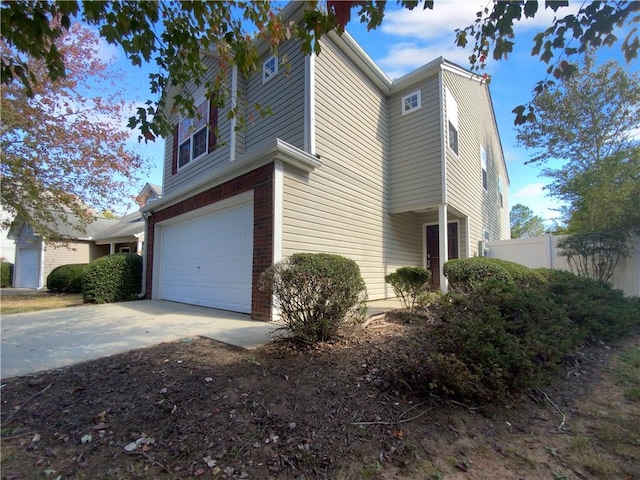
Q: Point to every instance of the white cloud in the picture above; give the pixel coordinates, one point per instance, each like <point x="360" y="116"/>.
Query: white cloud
<point x="430" y="24"/>
<point x="432" y="33"/>
<point x="529" y="191"/>
<point x="448" y="16"/>
<point x="535" y="197"/>
<point x="404" y="57"/>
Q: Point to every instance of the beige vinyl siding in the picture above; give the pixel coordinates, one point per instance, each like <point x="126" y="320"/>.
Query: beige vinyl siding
<point x="73" y="252"/>
<point x="284" y="95"/>
<point x="206" y="165"/>
<point x="342" y="207"/>
<point x="61" y="254"/>
<point x="464" y="174"/>
<point x="415" y="150"/>
<point x="242" y="110"/>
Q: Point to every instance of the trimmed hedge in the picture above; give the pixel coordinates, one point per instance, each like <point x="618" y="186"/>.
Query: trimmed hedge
<point x="464" y="275"/>
<point x="316" y="293"/>
<point x="409" y="283"/>
<point x="6" y="274"/>
<point x="114" y="278"/>
<point x="66" y="278"/>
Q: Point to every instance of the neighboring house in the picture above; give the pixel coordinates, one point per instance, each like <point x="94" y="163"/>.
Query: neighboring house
<point x="149" y="194"/>
<point x="387" y="173"/>
<point x="35" y="259"/>
<point x="7" y="246"/>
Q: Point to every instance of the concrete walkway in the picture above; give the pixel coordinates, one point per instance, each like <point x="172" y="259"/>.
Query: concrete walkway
<point x="49" y="339"/>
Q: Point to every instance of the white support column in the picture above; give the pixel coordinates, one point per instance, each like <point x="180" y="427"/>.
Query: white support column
<point x="41" y="279"/>
<point x="278" y="204"/>
<point x="112" y="248"/>
<point x="444" y="245"/>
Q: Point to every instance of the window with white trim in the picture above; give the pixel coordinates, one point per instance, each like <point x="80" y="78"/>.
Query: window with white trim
<point x="411" y="102"/>
<point x="269" y="68"/>
<point x="452" y="121"/>
<point x="500" y="194"/>
<point x="483" y="164"/>
<point x="192" y="136"/>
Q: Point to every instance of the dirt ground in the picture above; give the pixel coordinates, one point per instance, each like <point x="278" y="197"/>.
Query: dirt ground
<point x="200" y="409"/>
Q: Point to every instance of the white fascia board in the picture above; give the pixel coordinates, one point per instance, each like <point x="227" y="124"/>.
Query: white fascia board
<point x="106" y="241"/>
<point x="274" y="149"/>
<point x="418" y="75"/>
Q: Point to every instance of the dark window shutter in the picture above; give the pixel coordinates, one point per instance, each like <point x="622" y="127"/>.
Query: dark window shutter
<point x="174" y="157"/>
<point x="213" y="124"/>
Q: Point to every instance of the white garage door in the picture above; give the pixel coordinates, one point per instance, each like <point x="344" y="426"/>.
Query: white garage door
<point x="29" y="268"/>
<point x="208" y="260"/>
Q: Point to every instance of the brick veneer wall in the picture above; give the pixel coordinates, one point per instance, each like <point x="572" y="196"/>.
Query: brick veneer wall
<point x="260" y="181"/>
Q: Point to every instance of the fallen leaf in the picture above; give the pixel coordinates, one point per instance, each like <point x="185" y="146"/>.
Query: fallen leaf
<point x="86" y="438"/>
<point x="131" y="447"/>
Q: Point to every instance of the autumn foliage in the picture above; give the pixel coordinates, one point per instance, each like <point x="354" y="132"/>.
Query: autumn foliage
<point x="64" y="147"/>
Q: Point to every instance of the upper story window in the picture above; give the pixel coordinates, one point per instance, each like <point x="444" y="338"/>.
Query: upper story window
<point x="500" y="192"/>
<point x="411" y="102"/>
<point x="452" y="121"/>
<point x="192" y="136"/>
<point x="269" y="68"/>
<point x="483" y="164"/>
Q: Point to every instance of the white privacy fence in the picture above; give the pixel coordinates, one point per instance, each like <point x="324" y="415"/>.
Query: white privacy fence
<point x="542" y="251"/>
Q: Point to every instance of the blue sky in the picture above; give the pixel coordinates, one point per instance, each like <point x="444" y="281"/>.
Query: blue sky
<point x="408" y="39"/>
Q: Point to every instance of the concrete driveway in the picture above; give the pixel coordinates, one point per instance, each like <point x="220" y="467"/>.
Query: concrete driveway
<point x="37" y="341"/>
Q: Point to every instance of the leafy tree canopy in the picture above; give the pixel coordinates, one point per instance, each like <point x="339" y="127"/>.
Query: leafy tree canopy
<point x="524" y="223"/>
<point x="173" y="34"/>
<point x="590" y="123"/>
<point x="63" y="150"/>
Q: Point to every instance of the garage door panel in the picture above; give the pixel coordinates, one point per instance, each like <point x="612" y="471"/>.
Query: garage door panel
<point x="208" y="260"/>
<point x="29" y="265"/>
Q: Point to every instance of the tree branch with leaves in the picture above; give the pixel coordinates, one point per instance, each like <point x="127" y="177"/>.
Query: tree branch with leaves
<point x="63" y="149"/>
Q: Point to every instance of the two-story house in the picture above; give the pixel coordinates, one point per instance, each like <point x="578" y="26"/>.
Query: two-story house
<point x="387" y="173"/>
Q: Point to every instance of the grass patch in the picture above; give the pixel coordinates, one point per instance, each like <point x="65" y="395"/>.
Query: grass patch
<point x="627" y="373"/>
<point x="32" y="302"/>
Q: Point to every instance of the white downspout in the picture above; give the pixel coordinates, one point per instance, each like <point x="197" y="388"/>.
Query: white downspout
<point x="234" y="103"/>
<point x="310" y="104"/>
<point x="143" y="291"/>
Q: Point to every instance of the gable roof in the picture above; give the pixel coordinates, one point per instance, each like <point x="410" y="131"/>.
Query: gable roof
<point x="130" y="225"/>
<point x="68" y="225"/>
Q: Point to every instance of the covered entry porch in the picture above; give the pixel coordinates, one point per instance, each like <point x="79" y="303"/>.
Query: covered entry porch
<point x="438" y="244"/>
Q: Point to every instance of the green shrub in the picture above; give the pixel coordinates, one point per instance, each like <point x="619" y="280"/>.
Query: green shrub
<point x="6" y="274"/>
<point x="66" y="278"/>
<point x="409" y="283"/>
<point x="501" y="339"/>
<point x="114" y="278"/>
<point x="595" y="307"/>
<point x="316" y="294"/>
<point x="509" y="338"/>
<point x="466" y="274"/>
